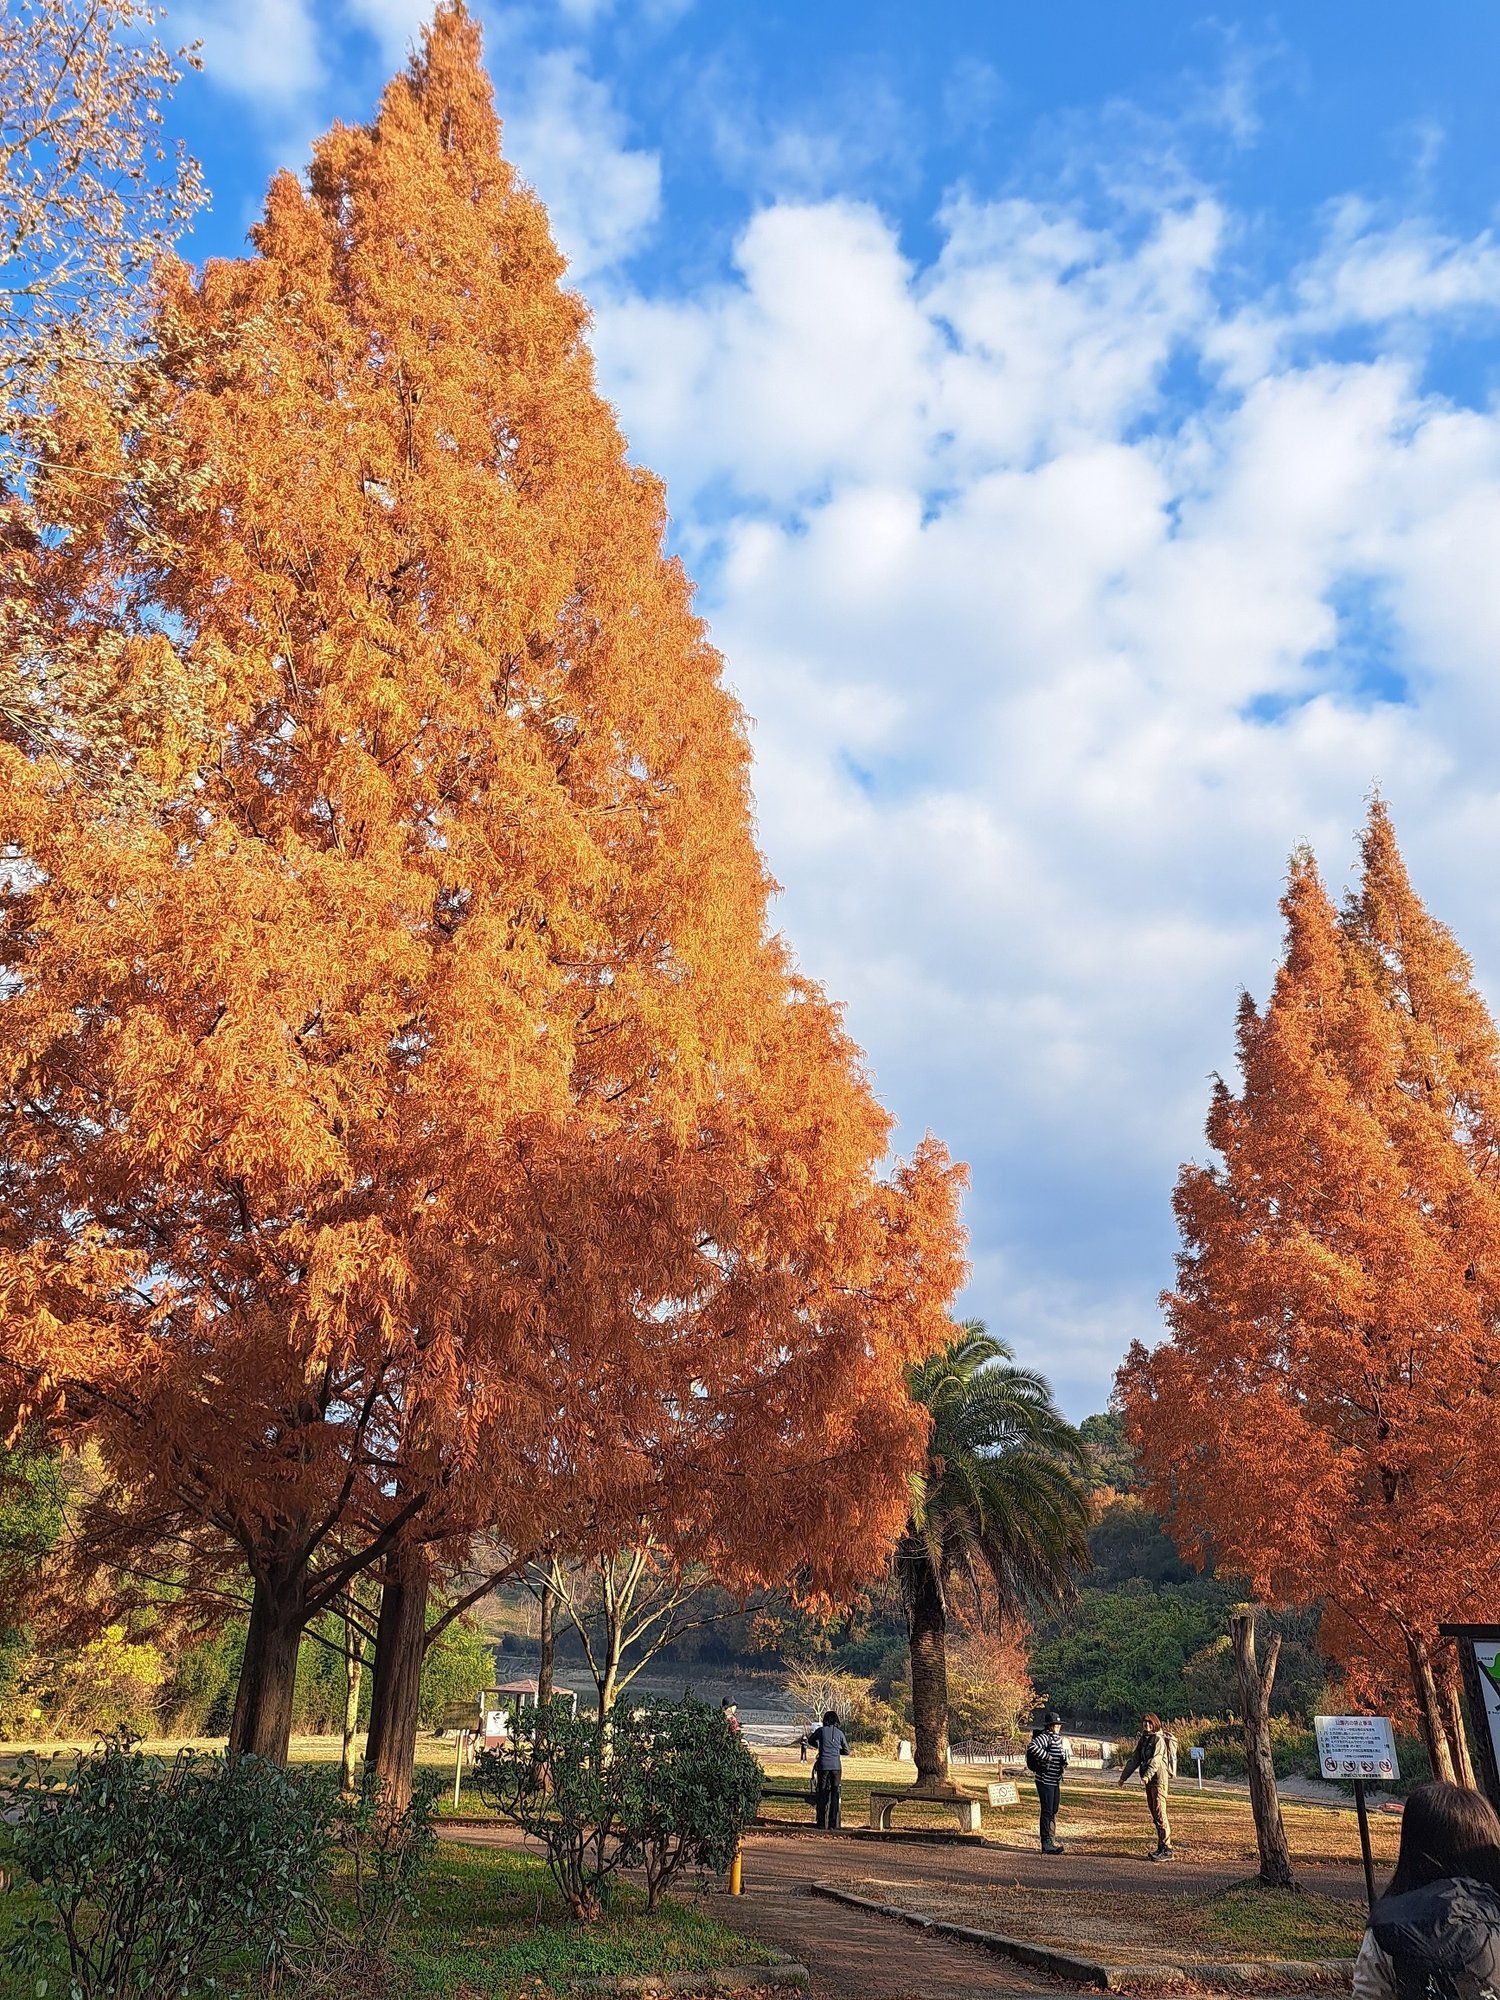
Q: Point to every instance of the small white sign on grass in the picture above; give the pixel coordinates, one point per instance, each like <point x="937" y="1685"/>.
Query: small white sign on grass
<point x="1356" y="1746"/>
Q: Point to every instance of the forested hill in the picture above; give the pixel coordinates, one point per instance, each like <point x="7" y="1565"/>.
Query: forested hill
<point x="1148" y="1631"/>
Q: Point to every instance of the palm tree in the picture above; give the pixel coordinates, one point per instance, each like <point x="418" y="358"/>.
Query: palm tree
<point x="1000" y="1507"/>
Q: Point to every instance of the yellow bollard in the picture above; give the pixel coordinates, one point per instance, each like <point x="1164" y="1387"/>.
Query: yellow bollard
<point x="737" y="1873"/>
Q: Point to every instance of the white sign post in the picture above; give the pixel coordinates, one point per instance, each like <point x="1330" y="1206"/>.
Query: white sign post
<point x="1196" y="1753"/>
<point x="1361" y="1748"/>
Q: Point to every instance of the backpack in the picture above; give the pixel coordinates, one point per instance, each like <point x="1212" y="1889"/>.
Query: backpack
<point x="1443" y="1941"/>
<point x="1036" y="1756"/>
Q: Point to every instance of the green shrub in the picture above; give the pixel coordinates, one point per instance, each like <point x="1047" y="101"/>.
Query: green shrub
<point x="385" y="1852"/>
<point x="694" y="1789"/>
<point x="1294" y="1751"/>
<point x="554" y="1777"/>
<point x="158" y="1874"/>
<point x="659" y="1786"/>
<point x="458" y="1665"/>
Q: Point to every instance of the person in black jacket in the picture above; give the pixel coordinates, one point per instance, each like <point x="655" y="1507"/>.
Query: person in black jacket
<point x="832" y="1746"/>
<point x="1047" y="1757"/>
<point x="1435" y="1933"/>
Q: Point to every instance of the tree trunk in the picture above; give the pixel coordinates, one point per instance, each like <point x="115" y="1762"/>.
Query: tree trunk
<point x="547" y="1640"/>
<point x="928" y="1625"/>
<point x="608" y="1681"/>
<point x="1430" y="1709"/>
<point x="1256" y="1683"/>
<point x="1458" y="1734"/>
<point x="400" y="1644"/>
<point x="261" y="1725"/>
<point x="354" y="1662"/>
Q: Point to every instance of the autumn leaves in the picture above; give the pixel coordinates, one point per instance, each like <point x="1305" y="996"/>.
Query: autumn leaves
<point x="1324" y="1415"/>
<point x="417" y="1149"/>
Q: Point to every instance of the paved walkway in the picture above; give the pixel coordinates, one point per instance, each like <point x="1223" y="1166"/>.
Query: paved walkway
<point x="852" y="1954"/>
<point x="831" y="1857"/>
<point x="857" y="1955"/>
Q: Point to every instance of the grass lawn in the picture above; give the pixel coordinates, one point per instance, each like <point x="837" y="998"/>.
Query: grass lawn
<point x="1099" y="1817"/>
<point x="489" y="1926"/>
<point x="1239" y="1924"/>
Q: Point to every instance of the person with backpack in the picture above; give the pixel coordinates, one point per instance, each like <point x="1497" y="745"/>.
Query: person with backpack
<point x="1435" y="1933"/>
<point x="1152" y="1757"/>
<point x="1047" y="1756"/>
<point x="832" y="1747"/>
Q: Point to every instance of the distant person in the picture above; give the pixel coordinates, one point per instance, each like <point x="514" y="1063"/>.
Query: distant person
<point x="1152" y="1757"/>
<point x="731" y="1715"/>
<point x="1048" y="1755"/>
<point x="1435" y="1933"/>
<point x="832" y="1747"/>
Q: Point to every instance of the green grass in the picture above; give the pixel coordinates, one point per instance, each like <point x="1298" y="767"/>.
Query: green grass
<point x="1250" y="1922"/>
<point x="490" y="1922"/>
<point x="1238" y="1924"/>
<point x="490" y="1926"/>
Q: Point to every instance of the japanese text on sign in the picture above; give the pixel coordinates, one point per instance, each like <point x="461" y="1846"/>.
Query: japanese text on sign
<point x="1356" y="1746"/>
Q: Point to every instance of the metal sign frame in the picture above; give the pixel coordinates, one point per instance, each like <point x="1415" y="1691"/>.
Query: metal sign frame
<point x="1363" y="1769"/>
<point x="1483" y="1690"/>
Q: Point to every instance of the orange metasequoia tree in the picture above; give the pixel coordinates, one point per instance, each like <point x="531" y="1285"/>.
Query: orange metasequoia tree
<point x="1322" y="1415"/>
<point x="409" y="1128"/>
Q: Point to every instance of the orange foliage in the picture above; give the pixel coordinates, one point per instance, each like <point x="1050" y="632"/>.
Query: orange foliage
<point x="1323" y="1415"/>
<point x="410" y="1126"/>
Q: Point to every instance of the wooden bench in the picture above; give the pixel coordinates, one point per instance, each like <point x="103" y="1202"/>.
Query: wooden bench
<point x="967" y="1809"/>
<point x="798" y="1794"/>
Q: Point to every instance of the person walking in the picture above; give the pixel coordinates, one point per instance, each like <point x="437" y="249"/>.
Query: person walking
<point x="1152" y="1757"/>
<point x="832" y="1747"/>
<point x="1435" y="1933"/>
<point x="731" y="1714"/>
<point x="1048" y="1755"/>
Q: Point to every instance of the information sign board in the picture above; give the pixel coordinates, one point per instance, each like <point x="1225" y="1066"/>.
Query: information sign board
<point x="1479" y="1652"/>
<point x="1487" y="1660"/>
<point x="1356" y="1746"/>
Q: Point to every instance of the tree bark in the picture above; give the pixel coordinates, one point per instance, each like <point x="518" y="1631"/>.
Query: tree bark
<point x="928" y="1626"/>
<point x="1430" y="1709"/>
<point x="547" y="1641"/>
<point x="1458" y="1735"/>
<point x="608" y="1682"/>
<point x="1256" y="1683"/>
<point x="400" y="1645"/>
<point x="261" y="1725"/>
<point x="354" y="1662"/>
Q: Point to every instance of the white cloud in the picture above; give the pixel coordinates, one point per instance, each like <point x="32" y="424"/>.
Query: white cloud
<point x="1051" y="667"/>
<point x="396" y="25"/>
<point x="264" y="49"/>
<point x="567" y="136"/>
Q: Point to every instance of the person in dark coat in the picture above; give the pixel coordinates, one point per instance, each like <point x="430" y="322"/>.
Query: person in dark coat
<point x="1435" y="1933"/>
<point x="832" y="1747"/>
<point x="1047" y="1756"/>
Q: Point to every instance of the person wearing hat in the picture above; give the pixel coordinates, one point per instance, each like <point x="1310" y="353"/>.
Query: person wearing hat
<point x="731" y="1715"/>
<point x="1047" y="1756"/>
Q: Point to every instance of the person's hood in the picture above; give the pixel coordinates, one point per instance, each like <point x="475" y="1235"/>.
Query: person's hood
<point x="1453" y="1922"/>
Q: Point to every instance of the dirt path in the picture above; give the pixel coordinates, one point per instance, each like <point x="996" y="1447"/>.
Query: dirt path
<point x="852" y="1954"/>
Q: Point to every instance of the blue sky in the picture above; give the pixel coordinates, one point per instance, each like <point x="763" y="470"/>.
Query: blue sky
<point x="1081" y="422"/>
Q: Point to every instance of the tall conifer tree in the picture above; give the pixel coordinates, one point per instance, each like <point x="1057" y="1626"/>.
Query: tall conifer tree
<point x="1318" y="1418"/>
<point x="410" y="1125"/>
